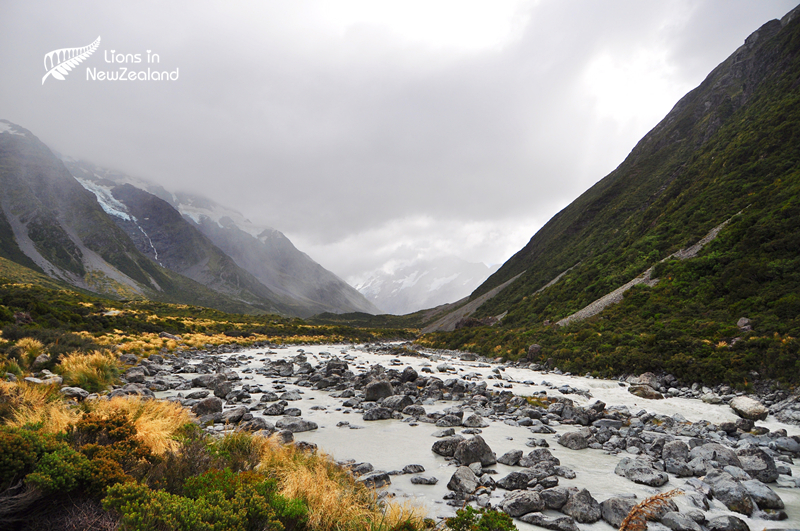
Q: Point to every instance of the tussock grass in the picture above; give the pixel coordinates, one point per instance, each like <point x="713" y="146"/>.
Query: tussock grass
<point x="646" y="510"/>
<point x="335" y="501"/>
<point x="27" y="349"/>
<point x="24" y="404"/>
<point x="93" y="372"/>
<point x="156" y="421"/>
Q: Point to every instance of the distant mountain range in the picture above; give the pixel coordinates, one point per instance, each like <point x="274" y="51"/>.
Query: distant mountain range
<point x="423" y="284"/>
<point x="112" y="234"/>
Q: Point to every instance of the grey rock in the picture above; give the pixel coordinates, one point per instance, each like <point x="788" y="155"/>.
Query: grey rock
<point x="582" y="507"/>
<point x="614" y="510"/>
<point x="729" y="491"/>
<point x="292" y="395"/>
<point x="135" y="375"/>
<point x="474" y="450"/>
<point x="510" y="458"/>
<point x="574" y="440"/>
<point x="413" y="469"/>
<point x="463" y="480"/>
<point x="397" y="403"/>
<point x="198" y="395"/>
<point x="645" y="391"/>
<point x="558" y="523"/>
<point x="256" y="424"/>
<point x="522" y="502"/>
<point x="765" y="497"/>
<point x="414" y="411"/>
<point x="677" y="450"/>
<point x="726" y="523"/>
<point x="276" y="408"/>
<point x="74" y="392"/>
<point x="208" y="405"/>
<point x="679" y="522"/>
<point x="424" y="480"/>
<point x="641" y="471"/>
<point x="537" y="456"/>
<point x="295" y="425"/>
<point x="517" y="480"/>
<point x="376" y="479"/>
<point x="758" y="463"/>
<point x="377" y="389"/>
<point x="446" y="447"/>
<point x="474" y="421"/>
<point x="748" y="408"/>
<point x="377" y="413"/>
<point x="555" y="498"/>
<point x="715" y="452"/>
<point x="233" y="416"/>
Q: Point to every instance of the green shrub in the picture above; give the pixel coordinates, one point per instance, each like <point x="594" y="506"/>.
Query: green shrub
<point x="470" y="519"/>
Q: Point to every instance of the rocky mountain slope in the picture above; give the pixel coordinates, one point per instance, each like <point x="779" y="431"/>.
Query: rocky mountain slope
<point x="423" y="284"/>
<point x="728" y="150"/>
<point x="217" y="246"/>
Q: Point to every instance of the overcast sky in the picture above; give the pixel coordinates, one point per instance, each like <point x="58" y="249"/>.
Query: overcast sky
<point x="370" y="132"/>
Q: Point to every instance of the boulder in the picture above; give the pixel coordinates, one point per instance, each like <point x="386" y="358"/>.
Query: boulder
<point x="522" y="502"/>
<point x="558" y="523"/>
<point x="463" y="480"/>
<point x="377" y="413"/>
<point x="74" y="392"/>
<point x="208" y="405"/>
<point x="397" y="403"/>
<point x="679" y="522"/>
<point x="574" y="440"/>
<point x="295" y="425"/>
<point x="516" y="480"/>
<point x="377" y="389"/>
<point x="233" y="416"/>
<point x="582" y="507"/>
<point x="765" y="497"/>
<point x="446" y="447"/>
<point x="413" y="469"/>
<point x="409" y="374"/>
<point x="641" y="471"/>
<point x="474" y="421"/>
<point x="376" y="479"/>
<point x="510" y="458"/>
<point x="135" y="375"/>
<point x="759" y="464"/>
<point x="677" y="450"/>
<point x="474" y="450"/>
<point x="729" y="491"/>
<point x="715" y="452"/>
<point x="748" y="408"/>
<point x="537" y="456"/>
<point x="614" y="510"/>
<point x="726" y="523"/>
<point x="424" y="480"/>
<point x="276" y="408"/>
<point x="555" y="498"/>
<point x="645" y="391"/>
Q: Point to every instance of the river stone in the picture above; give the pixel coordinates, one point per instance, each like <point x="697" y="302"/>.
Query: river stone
<point x="537" y="456"/>
<point x="555" y="498"/>
<point x="276" y="408"/>
<point x="233" y="416"/>
<point x="645" y="391"/>
<point x="335" y="366"/>
<point x="377" y="413"/>
<point x="424" y="480"/>
<point x="765" y="497"/>
<point x="295" y="425"/>
<point x="449" y="421"/>
<point x="463" y="480"/>
<point x="522" y="502"/>
<point x="292" y="395"/>
<point x="558" y="523"/>
<point x="446" y="447"/>
<point x="474" y="421"/>
<point x="409" y="374"/>
<point x="747" y="408"/>
<point x="256" y="424"/>
<point x="135" y="375"/>
<point x="376" y="479"/>
<point x="516" y="480"/>
<point x="679" y="522"/>
<point x="726" y="523"/>
<point x="677" y="450"/>
<point x="759" y="464"/>
<point x="678" y="468"/>
<point x="269" y="396"/>
<point x="207" y="406"/>
<point x="615" y="509"/>
<point x="377" y="389"/>
<point x="474" y="450"/>
<point x="414" y="411"/>
<point x="397" y="403"/>
<point x="640" y="471"/>
<point x="582" y="507"/>
<point x="715" y="452"/>
<point x="574" y="440"/>
<point x="729" y="491"/>
<point x="74" y="392"/>
<point x="510" y="458"/>
<point x="413" y="469"/>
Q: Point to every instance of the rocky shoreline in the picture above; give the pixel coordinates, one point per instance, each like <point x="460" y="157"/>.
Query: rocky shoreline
<point x="733" y="463"/>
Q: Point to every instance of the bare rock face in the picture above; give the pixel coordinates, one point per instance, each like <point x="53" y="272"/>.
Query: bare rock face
<point x="748" y="408"/>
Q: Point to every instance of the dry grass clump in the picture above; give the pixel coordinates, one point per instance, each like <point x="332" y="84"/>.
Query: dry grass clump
<point x="28" y="349"/>
<point x="93" y="372"/>
<point x="335" y="501"/>
<point x="22" y="404"/>
<point x="156" y="421"/>
<point x="646" y="510"/>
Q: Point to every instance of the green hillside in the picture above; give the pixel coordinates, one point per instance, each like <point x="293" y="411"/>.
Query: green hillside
<point x="731" y="145"/>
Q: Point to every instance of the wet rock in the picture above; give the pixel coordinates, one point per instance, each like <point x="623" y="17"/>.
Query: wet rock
<point x="376" y="479"/>
<point x="449" y="421"/>
<point x="758" y="464"/>
<point x="641" y="471"/>
<point x="377" y="413"/>
<point x="727" y="523"/>
<point x="558" y="523"/>
<point x="679" y="522"/>
<point x="409" y="374"/>
<point x="645" y="391"/>
<point x="517" y="480"/>
<point x="135" y="375"/>
<point x="539" y="455"/>
<point x="424" y="480"/>
<point x="677" y="450"/>
<point x="276" y="408"/>
<point x="359" y="469"/>
<point x="522" y="502"/>
<point x="715" y="452"/>
<point x="414" y="411"/>
<point x="269" y="396"/>
<point x="463" y="480"/>
<point x="397" y="403"/>
<point x="574" y="440"/>
<point x="233" y="416"/>
<point x="256" y="424"/>
<point x="474" y="450"/>
<point x="292" y="395"/>
<point x="208" y="405"/>
<point x="474" y="421"/>
<point x="296" y="425"/>
<point x="765" y="497"/>
<point x="614" y="510"/>
<point x="729" y="491"/>
<point x="510" y="458"/>
<point x="446" y="447"/>
<point x="678" y="468"/>
<point x="377" y="389"/>
<point x="555" y="498"/>
<point x="413" y="469"/>
<point x="582" y="507"/>
<point x="748" y="408"/>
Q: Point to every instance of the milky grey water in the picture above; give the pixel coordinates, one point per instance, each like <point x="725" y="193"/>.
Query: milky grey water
<point x="393" y="444"/>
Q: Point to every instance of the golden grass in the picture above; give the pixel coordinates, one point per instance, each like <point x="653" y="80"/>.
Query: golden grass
<point x="646" y="510"/>
<point x="24" y="403"/>
<point x="93" y="372"/>
<point x="28" y="349"/>
<point x="335" y="501"/>
<point x="156" y="421"/>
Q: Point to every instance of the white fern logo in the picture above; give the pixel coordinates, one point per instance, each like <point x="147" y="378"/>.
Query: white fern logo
<point x="58" y="63"/>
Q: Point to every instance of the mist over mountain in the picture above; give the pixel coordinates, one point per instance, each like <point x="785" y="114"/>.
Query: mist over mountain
<point x="423" y="284"/>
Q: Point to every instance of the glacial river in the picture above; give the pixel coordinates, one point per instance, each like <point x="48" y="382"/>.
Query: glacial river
<point x="393" y="444"/>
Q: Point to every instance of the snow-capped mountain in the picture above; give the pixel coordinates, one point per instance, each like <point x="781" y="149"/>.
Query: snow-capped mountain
<point x="423" y="284"/>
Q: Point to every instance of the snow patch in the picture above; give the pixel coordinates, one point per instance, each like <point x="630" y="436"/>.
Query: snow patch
<point x="437" y="283"/>
<point x="6" y="127"/>
<point x="106" y="199"/>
